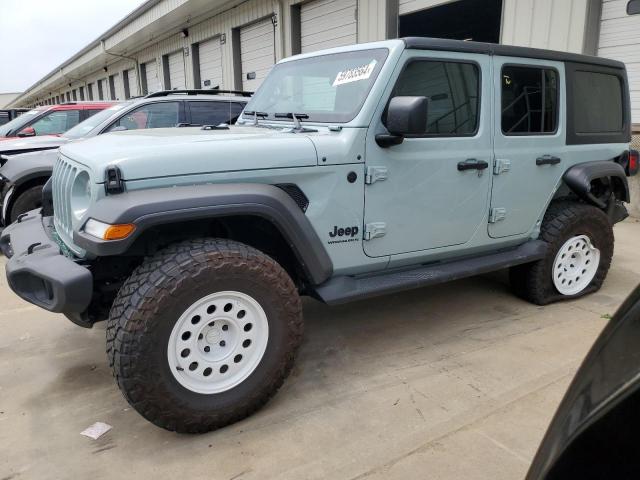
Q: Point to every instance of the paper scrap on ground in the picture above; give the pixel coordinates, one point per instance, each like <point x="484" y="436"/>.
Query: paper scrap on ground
<point x="355" y="74"/>
<point x="96" y="430"/>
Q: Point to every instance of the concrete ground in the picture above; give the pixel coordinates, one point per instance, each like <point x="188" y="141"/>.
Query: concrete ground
<point x="455" y="381"/>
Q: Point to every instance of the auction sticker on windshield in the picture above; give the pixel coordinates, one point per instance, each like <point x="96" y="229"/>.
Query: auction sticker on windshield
<point x="355" y="74"/>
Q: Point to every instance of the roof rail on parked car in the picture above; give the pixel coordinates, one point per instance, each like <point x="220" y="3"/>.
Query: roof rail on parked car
<point x="213" y="91"/>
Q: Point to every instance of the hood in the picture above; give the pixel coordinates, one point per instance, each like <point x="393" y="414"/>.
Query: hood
<point x="164" y="152"/>
<point x="21" y="145"/>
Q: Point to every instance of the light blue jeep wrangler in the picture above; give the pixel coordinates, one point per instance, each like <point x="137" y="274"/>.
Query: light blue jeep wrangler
<point x="352" y="172"/>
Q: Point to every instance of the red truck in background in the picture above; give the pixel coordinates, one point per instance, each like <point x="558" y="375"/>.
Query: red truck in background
<point x="50" y="119"/>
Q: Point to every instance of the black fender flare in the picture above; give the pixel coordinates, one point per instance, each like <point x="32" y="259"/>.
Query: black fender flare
<point x="166" y="205"/>
<point x="21" y="169"/>
<point x="579" y="177"/>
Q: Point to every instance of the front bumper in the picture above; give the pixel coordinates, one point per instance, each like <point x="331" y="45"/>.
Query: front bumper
<point x="39" y="273"/>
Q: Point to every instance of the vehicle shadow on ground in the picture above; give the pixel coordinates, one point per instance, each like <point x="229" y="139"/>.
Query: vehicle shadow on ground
<point x="343" y="346"/>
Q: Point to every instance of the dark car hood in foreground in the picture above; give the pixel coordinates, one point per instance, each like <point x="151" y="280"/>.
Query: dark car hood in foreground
<point x="594" y="433"/>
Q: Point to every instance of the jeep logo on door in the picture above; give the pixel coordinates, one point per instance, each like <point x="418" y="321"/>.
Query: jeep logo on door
<point x="343" y="234"/>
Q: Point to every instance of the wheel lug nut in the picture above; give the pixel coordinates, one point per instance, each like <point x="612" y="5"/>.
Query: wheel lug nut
<point x="225" y="327"/>
<point x="207" y="349"/>
<point x="222" y="343"/>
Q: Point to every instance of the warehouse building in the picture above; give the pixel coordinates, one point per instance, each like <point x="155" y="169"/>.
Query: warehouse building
<point x="232" y="44"/>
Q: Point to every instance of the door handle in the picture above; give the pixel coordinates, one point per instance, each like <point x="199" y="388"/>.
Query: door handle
<point x="547" y="160"/>
<point x="472" y="164"/>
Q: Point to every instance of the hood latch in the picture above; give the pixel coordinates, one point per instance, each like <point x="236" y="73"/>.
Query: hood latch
<point x="113" y="182"/>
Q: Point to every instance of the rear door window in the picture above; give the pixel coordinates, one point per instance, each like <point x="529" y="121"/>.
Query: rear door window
<point x="56" y="122"/>
<point x="90" y="112"/>
<point x="153" y="115"/>
<point x="529" y="99"/>
<point x="214" y="113"/>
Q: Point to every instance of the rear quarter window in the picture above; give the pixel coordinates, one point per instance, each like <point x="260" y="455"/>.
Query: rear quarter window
<point x="597" y="105"/>
<point x="598" y="102"/>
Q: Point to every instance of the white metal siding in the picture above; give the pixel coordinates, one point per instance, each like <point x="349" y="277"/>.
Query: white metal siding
<point x="551" y="24"/>
<point x="327" y="24"/>
<point x="620" y="39"/>
<point x="176" y="71"/>
<point x="133" y="82"/>
<point x="410" y="6"/>
<point x="210" y="53"/>
<point x="372" y="21"/>
<point x="151" y="77"/>
<point x="118" y="87"/>
<point x="257" y="50"/>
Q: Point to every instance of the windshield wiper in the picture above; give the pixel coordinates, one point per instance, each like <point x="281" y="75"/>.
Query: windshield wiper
<point x="296" y="117"/>
<point x="255" y="115"/>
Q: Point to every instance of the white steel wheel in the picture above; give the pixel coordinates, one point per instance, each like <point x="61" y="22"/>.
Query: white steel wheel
<point x="218" y="342"/>
<point x="575" y="265"/>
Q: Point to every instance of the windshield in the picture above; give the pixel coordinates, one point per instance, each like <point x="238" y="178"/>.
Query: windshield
<point x="327" y="88"/>
<point x="17" y="123"/>
<point x="83" y="128"/>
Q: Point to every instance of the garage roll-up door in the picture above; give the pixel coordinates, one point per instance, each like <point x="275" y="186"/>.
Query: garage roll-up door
<point x="327" y="24"/>
<point x="257" y="51"/>
<point x="619" y="39"/>
<point x="115" y="87"/>
<point x="210" y="55"/>
<point x="151" y="77"/>
<point x="409" y="6"/>
<point x="103" y="92"/>
<point x="176" y="71"/>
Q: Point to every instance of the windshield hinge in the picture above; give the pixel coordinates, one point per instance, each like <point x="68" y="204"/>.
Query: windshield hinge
<point x="374" y="230"/>
<point x="375" y="174"/>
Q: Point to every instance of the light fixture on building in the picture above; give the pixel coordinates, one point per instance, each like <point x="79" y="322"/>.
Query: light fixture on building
<point x="105" y="69"/>
<point x="184" y="33"/>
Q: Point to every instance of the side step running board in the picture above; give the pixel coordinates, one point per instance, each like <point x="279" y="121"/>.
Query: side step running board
<point x="344" y="289"/>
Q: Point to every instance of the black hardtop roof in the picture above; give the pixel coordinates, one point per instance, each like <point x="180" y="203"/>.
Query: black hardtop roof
<point x="425" y="43"/>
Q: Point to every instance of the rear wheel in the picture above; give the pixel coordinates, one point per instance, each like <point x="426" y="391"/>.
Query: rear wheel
<point x="28" y="200"/>
<point x="203" y="334"/>
<point x="580" y="239"/>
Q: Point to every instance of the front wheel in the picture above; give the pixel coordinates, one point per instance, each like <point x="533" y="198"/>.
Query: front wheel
<point x="28" y="200"/>
<point x="203" y="334"/>
<point x="580" y="248"/>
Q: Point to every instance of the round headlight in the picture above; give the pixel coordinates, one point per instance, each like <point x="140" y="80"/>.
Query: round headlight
<point x="80" y="195"/>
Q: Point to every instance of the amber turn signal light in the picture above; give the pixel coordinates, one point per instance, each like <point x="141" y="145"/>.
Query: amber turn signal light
<point x="118" y="232"/>
<point x="105" y="231"/>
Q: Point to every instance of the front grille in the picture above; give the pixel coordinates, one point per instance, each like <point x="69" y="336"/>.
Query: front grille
<point x="64" y="172"/>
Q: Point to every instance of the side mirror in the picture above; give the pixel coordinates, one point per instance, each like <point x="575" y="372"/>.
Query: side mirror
<point x="633" y="7"/>
<point x="405" y="116"/>
<point x="27" y="132"/>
